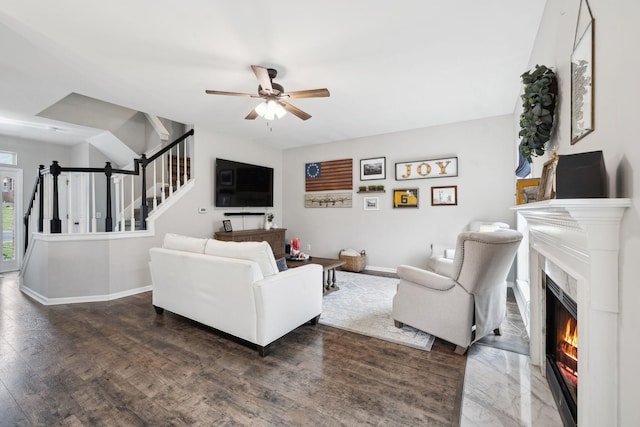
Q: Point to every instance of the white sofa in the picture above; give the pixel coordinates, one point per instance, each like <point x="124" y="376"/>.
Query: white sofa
<point x="234" y="287"/>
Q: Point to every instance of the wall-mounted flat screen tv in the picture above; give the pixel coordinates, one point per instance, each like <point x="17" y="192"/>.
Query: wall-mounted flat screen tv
<point x="240" y="185"/>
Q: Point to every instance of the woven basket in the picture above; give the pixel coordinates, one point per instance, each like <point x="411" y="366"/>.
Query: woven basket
<point x="353" y="263"/>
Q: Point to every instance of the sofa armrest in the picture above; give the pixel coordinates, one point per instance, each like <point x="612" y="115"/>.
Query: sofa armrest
<point x="425" y="278"/>
<point x="286" y="300"/>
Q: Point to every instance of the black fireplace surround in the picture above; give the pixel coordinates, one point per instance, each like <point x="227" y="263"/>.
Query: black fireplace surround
<point x="562" y="351"/>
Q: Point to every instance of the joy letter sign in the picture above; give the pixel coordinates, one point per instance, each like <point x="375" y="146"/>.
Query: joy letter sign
<point x="437" y="168"/>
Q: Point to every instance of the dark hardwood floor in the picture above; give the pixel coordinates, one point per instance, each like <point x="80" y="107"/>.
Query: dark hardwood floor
<point x="117" y="363"/>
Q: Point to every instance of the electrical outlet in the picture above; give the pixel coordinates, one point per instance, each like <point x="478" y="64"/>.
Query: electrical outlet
<point x="308" y="246"/>
<point x="202" y="210"/>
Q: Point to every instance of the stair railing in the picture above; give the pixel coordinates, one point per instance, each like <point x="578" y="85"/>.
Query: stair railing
<point x="45" y="198"/>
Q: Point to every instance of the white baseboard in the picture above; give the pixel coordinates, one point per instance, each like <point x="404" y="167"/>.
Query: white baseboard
<point x="382" y="269"/>
<point x="82" y="299"/>
<point x="523" y="302"/>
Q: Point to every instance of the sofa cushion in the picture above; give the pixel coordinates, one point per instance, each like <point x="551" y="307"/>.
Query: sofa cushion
<point x="282" y="264"/>
<point x="177" y="242"/>
<point x="259" y="252"/>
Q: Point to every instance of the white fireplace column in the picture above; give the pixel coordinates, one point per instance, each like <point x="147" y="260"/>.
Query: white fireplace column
<point x="581" y="238"/>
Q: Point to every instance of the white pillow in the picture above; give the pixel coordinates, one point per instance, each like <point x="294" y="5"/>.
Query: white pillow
<point x="184" y="243"/>
<point x="259" y="252"/>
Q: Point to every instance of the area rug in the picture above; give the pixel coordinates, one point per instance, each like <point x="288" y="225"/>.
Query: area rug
<point x="363" y="305"/>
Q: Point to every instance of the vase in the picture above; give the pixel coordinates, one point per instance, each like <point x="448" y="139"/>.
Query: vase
<point x="267" y="225"/>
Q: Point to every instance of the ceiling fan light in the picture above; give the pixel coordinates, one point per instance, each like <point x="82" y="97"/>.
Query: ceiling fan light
<point x="270" y="109"/>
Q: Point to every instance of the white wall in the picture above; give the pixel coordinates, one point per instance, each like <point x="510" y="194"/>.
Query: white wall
<point x="485" y="150"/>
<point x="616" y="115"/>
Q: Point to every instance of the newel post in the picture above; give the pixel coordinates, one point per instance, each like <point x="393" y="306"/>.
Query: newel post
<point x="144" y="208"/>
<point x="108" y="221"/>
<point x="40" y="199"/>
<point x="56" y="223"/>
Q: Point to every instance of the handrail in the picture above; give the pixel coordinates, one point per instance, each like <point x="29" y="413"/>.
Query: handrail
<point x="55" y="170"/>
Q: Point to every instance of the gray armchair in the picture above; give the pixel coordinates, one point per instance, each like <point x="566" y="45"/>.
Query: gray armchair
<point x="468" y="304"/>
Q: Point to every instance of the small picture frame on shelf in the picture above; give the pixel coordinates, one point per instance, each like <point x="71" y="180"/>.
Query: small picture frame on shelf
<point x="375" y="168"/>
<point x="371" y="203"/>
<point x="227" y="225"/>
<point x="547" y="188"/>
<point x="444" y="196"/>
<point x="527" y="190"/>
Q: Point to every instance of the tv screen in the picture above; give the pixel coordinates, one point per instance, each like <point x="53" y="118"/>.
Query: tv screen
<point x="242" y="185"/>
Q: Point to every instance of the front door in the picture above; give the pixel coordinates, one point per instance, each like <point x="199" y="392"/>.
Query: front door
<point x="9" y="178"/>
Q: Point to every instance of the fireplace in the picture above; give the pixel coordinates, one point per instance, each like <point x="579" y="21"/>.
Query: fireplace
<point x="562" y="350"/>
<point x="576" y="242"/>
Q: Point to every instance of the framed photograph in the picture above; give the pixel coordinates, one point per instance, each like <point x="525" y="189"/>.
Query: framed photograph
<point x="371" y="203"/>
<point x="444" y="196"/>
<point x="227" y="225"/>
<point x="527" y="190"/>
<point x="547" y="187"/>
<point x="421" y="169"/>
<point x="405" y="198"/>
<point x="373" y="169"/>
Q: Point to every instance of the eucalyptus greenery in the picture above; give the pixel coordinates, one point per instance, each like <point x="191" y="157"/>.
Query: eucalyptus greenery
<point x="538" y="102"/>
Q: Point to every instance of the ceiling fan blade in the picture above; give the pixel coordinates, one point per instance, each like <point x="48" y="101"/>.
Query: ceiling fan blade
<point x="295" y="110"/>
<point x="262" y="74"/>
<point x="252" y="115"/>
<point x="311" y="93"/>
<point x="221" y="92"/>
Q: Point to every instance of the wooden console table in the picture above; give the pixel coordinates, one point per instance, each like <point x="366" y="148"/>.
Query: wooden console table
<point x="274" y="236"/>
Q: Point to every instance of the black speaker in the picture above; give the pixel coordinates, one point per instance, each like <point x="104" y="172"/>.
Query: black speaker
<point x="581" y="176"/>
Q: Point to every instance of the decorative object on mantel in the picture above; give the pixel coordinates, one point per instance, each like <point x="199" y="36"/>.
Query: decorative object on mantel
<point x="436" y="168"/>
<point x="373" y="168"/>
<point x="268" y="220"/>
<point x="328" y="200"/>
<point x="538" y="103"/>
<point x="527" y="190"/>
<point x="582" y="99"/>
<point x="581" y="176"/>
<point x="444" y="196"/>
<point x="227" y="225"/>
<point x="547" y="187"/>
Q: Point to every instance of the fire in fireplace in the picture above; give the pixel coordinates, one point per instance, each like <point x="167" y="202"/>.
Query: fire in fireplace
<point x="562" y="351"/>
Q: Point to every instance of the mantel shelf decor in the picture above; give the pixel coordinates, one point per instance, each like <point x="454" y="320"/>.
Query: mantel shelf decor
<point x="538" y="103"/>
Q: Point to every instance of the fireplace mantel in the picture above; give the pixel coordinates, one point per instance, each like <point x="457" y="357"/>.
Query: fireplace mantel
<point x="581" y="237"/>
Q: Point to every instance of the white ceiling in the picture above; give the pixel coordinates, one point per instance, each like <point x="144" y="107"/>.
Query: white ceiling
<point x="389" y="65"/>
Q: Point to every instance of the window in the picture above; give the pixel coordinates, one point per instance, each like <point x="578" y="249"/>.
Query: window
<point x="8" y="158"/>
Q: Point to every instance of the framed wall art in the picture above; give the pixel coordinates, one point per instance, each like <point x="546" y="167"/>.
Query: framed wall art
<point x="371" y="204"/>
<point x="375" y="168"/>
<point x="227" y="225"/>
<point x="582" y="94"/>
<point x="444" y="196"/>
<point x="527" y="190"/>
<point x="421" y="169"/>
<point x="405" y="198"/>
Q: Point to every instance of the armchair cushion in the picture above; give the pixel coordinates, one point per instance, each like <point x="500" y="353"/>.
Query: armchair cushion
<point x="425" y="278"/>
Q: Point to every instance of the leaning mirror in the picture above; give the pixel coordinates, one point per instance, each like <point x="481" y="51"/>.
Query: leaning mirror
<point x="582" y="105"/>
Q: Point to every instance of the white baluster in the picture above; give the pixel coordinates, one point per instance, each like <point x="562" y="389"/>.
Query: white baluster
<point x="133" y="212"/>
<point x="122" y="214"/>
<point x="178" y="177"/>
<point x="170" y="173"/>
<point x="70" y="229"/>
<point x="184" y="160"/>
<point x="48" y="182"/>
<point x="155" y="185"/>
<point x="163" y="181"/>
<point x="94" y="221"/>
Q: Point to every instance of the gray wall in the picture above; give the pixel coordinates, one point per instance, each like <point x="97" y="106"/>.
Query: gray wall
<point x="485" y="150"/>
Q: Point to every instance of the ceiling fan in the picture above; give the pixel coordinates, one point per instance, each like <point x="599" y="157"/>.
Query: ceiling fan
<point x="273" y="95"/>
